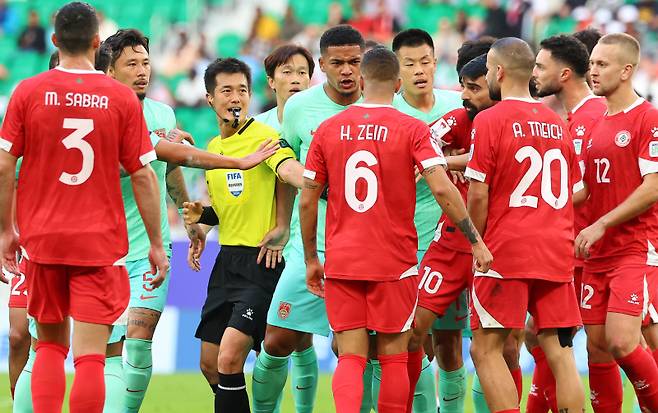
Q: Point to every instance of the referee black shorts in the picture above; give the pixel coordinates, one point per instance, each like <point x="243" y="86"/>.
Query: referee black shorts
<point x="239" y="295"/>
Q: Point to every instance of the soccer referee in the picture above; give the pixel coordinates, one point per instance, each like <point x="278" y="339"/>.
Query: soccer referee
<point x="253" y="211"/>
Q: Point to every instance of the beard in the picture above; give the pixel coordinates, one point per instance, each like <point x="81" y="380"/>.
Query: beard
<point x="548" y="90"/>
<point x="471" y="110"/>
<point x="141" y="96"/>
<point x="494" y="94"/>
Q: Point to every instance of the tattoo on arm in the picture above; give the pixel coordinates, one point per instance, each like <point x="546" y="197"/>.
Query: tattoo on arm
<point x="176" y="186"/>
<point x="429" y="171"/>
<point x="469" y="231"/>
<point x="308" y="184"/>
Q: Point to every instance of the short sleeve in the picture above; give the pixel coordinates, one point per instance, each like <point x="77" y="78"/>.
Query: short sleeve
<point x="648" y="154"/>
<point x="289" y="135"/>
<point x="136" y="148"/>
<point x="12" y="136"/>
<point x="481" y="162"/>
<point x="426" y="150"/>
<point x="284" y="153"/>
<point x="316" y="167"/>
<point x="577" y="170"/>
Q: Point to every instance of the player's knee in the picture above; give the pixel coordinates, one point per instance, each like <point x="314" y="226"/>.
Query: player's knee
<point x="18" y="339"/>
<point x="511" y="355"/>
<point x="229" y="362"/>
<point x="620" y="345"/>
<point x="275" y="346"/>
<point x="416" y="340"/>
<point x="478" y="352"/>
<point x="209" y="369"/>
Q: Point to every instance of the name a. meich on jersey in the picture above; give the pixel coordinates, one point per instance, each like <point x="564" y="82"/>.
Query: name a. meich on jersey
<point x="367" y="132"/>
<point x="538" y="130"/>
<point x="79" y="100"/>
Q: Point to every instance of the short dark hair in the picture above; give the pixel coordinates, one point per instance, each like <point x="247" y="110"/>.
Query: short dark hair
<point x="380" y="64"/>
<point x="590" y="37"/>
<point x="225" y="65"/>
<point x="471" y="49"/>
<point x="76" y="24"/>
<point x="475" y="68"/>
<point x="103" y="57"/>
<point x="54" y="60"/>
<point x="125" y="38"/>
<point x="282" y="54"/>
<point x="568" y="50"/>
<point x="341" y="35"/>
<point x="412" y="38"/>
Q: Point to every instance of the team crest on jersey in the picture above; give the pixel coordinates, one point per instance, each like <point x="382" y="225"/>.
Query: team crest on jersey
<point x="653" y="149"/>
<point x="162" y="133"/>
<point x="578" y="145"/>
<point x="654" y="132"/>
<point x="284" y="310"/>
<point x="623" y="138"/>
<point x="235" y="183"/>
<point x="580" y="130"/>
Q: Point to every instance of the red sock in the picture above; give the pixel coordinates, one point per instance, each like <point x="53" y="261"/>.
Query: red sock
<point x="414" y="366"/>
<point x="517" y="375"/>
<point x="88" y="391"/>
<point x="643" y="373"/>
<point x="537" y="402"/>
<point x="48" y="379"/>
<point x="394" y="390"/>
<point x="347" y="384"/>
<point x="606" y="392"/>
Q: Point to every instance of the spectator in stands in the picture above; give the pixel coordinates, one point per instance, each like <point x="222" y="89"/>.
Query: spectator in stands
<point x="190" y="91"/>
<point x="8" y="18"/>
<point x="33" y="37"/>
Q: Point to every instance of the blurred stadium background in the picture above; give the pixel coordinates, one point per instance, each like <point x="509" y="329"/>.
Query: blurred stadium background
<point x="187" y="34"/>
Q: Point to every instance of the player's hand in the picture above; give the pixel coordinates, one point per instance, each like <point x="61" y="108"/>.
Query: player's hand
<point x="159" y="265"/>
<point x="179" y="136"/>
<point x="10" y="250"/>
<point x="482" y="257"/>
<point x="264" y="151"/>
<point x="314" y="277"/>
<point x="192" y="212"/>
<point x="587" y="238"/>
<point x="271" y="246"/>
<point x="197" y="238"/>
<point x="457" y="176"/>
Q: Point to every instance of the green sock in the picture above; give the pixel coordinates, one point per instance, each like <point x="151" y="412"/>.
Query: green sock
<point x="304" y="379"/>
<point x="137" y="369"/>
<point x="425" y="393"/>
<point x="479" y="402"/>
<point x="366" y="402"/>
<point x="23" y="391"/>
<point x="376" y="382"/>
<point x="452" y="389"/>
<point x="269" y="377"/>
<point x="115" y="385"/>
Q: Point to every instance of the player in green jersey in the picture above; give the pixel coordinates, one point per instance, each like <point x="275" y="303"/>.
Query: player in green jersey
<point x="296" y="314"/>
<point x="131" y="66"/>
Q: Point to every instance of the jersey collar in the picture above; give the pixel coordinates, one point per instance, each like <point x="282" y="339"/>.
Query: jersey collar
<point x="635" y="104"/>
<point x="527" y="100"/>
<point x="78" y="71"/>
<point x="372" y="105"/>
<point x="582" y="102"/>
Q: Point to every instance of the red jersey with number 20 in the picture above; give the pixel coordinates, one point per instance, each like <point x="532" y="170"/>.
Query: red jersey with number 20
<point x="73" y="129"/>
<point x="523" y="151"/>
<point x="366" y="155"/>
<point x="624" y="149"/>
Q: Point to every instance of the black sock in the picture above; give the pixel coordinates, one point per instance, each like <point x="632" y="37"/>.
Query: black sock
<point x="231" y="394"/>
<point x="213" y="387"/>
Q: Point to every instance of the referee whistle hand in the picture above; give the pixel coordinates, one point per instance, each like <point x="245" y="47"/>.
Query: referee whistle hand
<point x="10" y="249"/>
<point x="314" y="277"/>
<point x="159" y="265"/>
<point x="264" y="151"/>
<point x="192" y="212"/>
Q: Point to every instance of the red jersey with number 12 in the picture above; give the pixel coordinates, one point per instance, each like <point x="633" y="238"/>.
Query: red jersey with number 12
<point x="523" y="151"/>
<point x="366" y="155"/>
<point x="73" y="129"/>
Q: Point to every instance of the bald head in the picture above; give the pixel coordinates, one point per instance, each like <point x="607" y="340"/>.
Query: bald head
<point x="515" y="57"/>
<point x="627" y="47"/>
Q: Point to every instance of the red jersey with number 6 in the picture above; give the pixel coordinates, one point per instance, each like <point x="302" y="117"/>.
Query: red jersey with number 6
<point x="524" y="153"/>
<point x="366" y="155"/>
<point x="73" y="129"/>
<point x="624" y="150"/>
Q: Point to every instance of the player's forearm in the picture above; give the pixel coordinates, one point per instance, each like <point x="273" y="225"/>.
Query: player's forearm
<point x="478" y="206"/>
<point x="292" y="172"/>
<point x="580" y="196"/>
<point x="308" y="218"/>
<point x="457" y="162"/>
<point x="643" y="198"/>
<point x="176" y="185"/>
<point x="147" y="195"/>
<point x="192" y="157"/>
<point x="7" y="186"/>
<point x="285" y="198"/>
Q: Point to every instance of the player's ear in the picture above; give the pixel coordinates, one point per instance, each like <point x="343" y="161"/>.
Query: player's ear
<point x="361" y="82"/>
<point x="209" y="99"/>
<point x="96" y="41"/>
<point x="321" y="63"/>
<point x="565" y="74"/>
<point x="627" y="72"/>
<point x="500" y="73"/>
<point x="398" y="84"/>
<point x="270" y="83"/>
<point x="54" y="40"/>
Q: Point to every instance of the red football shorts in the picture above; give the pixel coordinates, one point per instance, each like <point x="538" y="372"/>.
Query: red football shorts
<point x="18" y="288"/>
<point x="445" y="274"/>
<point x="381" y="306"/>
<point x="578" y="282"/>
<point x="626" y="290"/>
<point x="504" y="303"/>
<point x="96" y="295"/>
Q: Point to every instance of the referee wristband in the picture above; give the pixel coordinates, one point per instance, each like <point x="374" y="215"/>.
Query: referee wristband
<point x="208" y="216"/>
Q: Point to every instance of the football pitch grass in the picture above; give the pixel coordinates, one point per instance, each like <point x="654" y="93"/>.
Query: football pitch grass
<point x="189" y="393"/>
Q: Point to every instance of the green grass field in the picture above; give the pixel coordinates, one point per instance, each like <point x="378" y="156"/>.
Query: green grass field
<point x="189" y="393"/>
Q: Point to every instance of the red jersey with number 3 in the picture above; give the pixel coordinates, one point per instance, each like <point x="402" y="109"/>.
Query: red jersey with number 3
<point x="524" y="153"/>
<point x="366" y="155"/>
<point x="454" y="130"/>
<point x="624" y="150"/>
<point x="581" y="120"/>
<point x="73" y="129"/>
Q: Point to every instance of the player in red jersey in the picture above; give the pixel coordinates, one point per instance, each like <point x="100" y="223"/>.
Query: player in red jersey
<point x="618" y="279"/>
<point x="74" y="126"/>
<point x="367" y="156"/>
<point x="523" y="170"/>
<point x="561" y="69"/>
